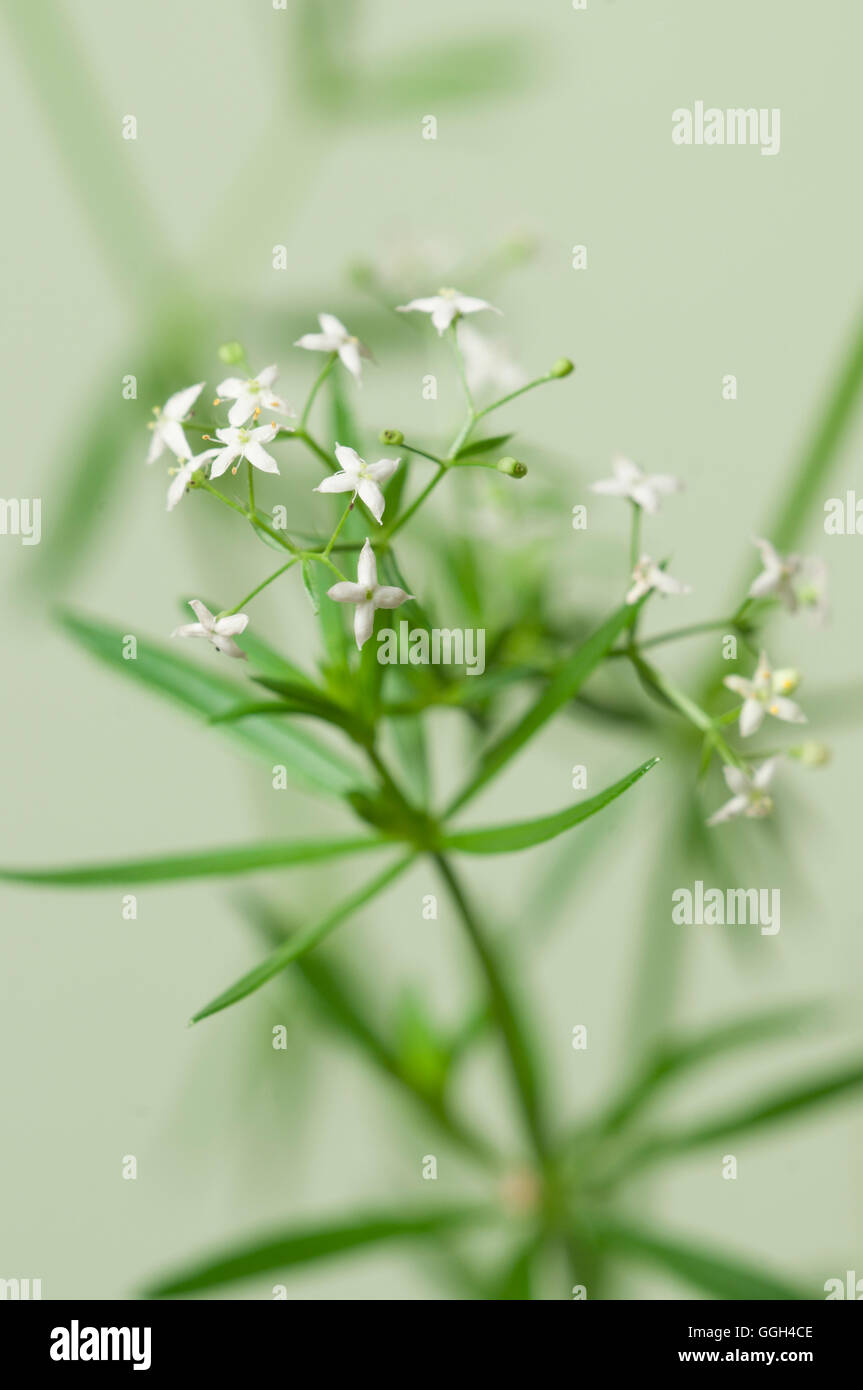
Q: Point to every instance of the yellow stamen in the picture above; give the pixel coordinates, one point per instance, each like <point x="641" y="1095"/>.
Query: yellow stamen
<point x="216" y="400"/>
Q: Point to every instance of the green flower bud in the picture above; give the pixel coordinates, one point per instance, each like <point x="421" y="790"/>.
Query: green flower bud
<point x="812" y="754"/>
<point x="512" y="467"/>
<point x="232" y="354"/>
<point x="393" y="437"/>
<point x="562" y="367"/>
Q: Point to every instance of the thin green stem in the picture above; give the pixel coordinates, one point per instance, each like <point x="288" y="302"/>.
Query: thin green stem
<point x="316" y="386"/>
<point x="316" y="448"/>
<point x="635" y="537"/>
<point x="423" y="453"/>
<point x="252" y="513"/>
<point x="688" y="708"/>
<point x="228" y="612"/>
<point x="677" y="634"/>
<point x="452" y="334"/>
<point x="389" y="531"/>
<point x="520" y="391"/>
<point x="333" y="538"/>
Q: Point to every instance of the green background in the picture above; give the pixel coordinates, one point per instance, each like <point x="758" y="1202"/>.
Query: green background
<point x="701" y="262"/>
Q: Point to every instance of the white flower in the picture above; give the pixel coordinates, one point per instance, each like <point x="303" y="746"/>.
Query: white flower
<point x="647" y="575"/>
<point x="799" y="581"/>
<point x="334" y="337"/>
<point x="445" y="306"/>
<point x="749" y="793"/>
<point x="766" y="694"/>
<point x="367" y="594"/>
<point x="646" y="490"/>
<point x="239" y="444"/>
<point x="168" y="425"/>
<point x="182" y="480"/>
<point x="251" y="396"/>
<point x="220" y="631"/>
<point x="361" y="478"/>
<point x="487" y="365"/>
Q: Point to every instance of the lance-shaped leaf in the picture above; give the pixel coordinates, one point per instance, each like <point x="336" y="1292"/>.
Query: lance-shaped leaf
<point x="767" y="1110"/>
<point x="184" y="679"/>
<point x="563" y="686"/>
<point x="305" y="1245"/>
<point x="302" y="941"/>
<point x="492" y="445"/>
<point x="720" y="1275"/>
<point x="502" y="839"/>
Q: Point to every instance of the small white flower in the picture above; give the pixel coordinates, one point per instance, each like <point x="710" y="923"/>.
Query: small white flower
<point x="799" y="581"/>
<point x="168" y="425"/>
<point x="182" y="480"/>
<point x="647" y="575"/>
<point x="251" y="396"/>
<point x="239" y="444"/>
<point x="220" y="631"/>
<point x="647" y="490"/>
<point x="361" y="479"/>
<point x="749" y="793"/>
<point x="487" y="365"/>
<point x="766" y="694"/>
<point x="445" y="306"/>
<point x="334" y="337"/>
<point x="367" y="594"/>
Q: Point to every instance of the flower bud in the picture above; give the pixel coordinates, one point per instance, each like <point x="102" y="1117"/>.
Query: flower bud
<point x="562" y="367"/>
<point x="512" y="467"/>
<point x="786" y="680"/>
<point x="393" y="437"/>
<point x="812" y="753"/>
<point x="232" y="353"/>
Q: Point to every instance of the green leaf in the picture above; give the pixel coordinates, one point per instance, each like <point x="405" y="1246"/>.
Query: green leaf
<point x="303" y="1246"/>
<point x="767" y="1110"/>
<point x="718" y="1274"/>
<point x="516" y="1284"/>
<point x="563" y="686"/>
<point x="305" y="699"/>
<point x="503" y="839"/>
<point x="242" y="859"/>
<point x="184" y="679"/>
<point x="316" y="581"/>
<point x="484" y="446"/>
<point x="463" y="72"/>
<point x="302" y="941"/>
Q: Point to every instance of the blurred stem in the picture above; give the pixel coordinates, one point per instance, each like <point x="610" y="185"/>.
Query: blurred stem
<point x="517" y="1048"/>
<point x="316" y="386"/>
<point x="687" y="707"/>
<point x="635" y="537"/>
<point x="452" y="334"/>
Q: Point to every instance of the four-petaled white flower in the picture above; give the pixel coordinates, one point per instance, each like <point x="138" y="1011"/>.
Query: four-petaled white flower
<point x="254" y="394"/>
<point x="445" y="306"/>
<point x="648" y="575"/>
<point x="799" y="581"/>
<point x="334" y="337"/>
<point x="361" y="479"/>
<point x="239" y="444"/>
<point x="182" y="480"/>
<point x="646" y="490"/>
<point x="367" y="594"/>
<point x="220" y="631"/>
<point x="487" y="364"/>
<point x="749" y="793"/>
<point x="766" y="694"/>
<point x="168" y="425"/>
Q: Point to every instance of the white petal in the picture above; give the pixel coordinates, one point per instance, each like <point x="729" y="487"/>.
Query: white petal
<point x="264" y="434"/>
<point x="228" y="647"/>
<point x="204" y="616"/>
<point x="223" y="460"/>
<point x="374" y="499"/>
<point x="388" y="596"/>
<point x="364" y="622"/>
<point x="763" y="775"/>
<point x="231" y="387"/>
<point x="788" y="710"/>
<point x="349" y="353"/>
<point x="242" y="408"/>
<point x="735" y="807"/>
<point x="345" y="592"/>
<point x="643" y="494"/>
<point x="317" y="342"/>
<point x="751" y="717"/>
<point x="333" y="327"/>
<point x="638" y="590"/>
<point x="259" y="458"/>
<point x="767" y="583"/>
<point x="348" y="459"/>
<point x="739" y="686"/>
<point x="443" y="314"/>
<point x="664" y="483"/>
<point x="177" y="489"/>
<point x="770" y="557"/>
<point x="173" y="435"/>
<point x="367" y="567"/>
<point x="666" y="584"/>
<point x="190" y="630"/>
<point x="425" y="306"/>
<point x="382" y="471"/>
<point x="466" y="304"/>
<point x="336" y="482"/>
<point x="625" y="470"/>
<point x="611" y="487"/>
<point x="762" y="672"/>
<point x="227" y="436"/>
<point x="157" y="445"/>
<point x="179" y="405"/>
<point x="232" y="625"/>
<point x="268" y="376"/>
<point x="736" y="780"/>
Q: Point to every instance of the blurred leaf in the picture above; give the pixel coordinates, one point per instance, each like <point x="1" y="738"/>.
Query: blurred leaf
<point x="564" y="684"/>
<point x="316" y="582"/>
<point x="719" y="1275"/>
<point x="310" y="765"/>
<point x="484" y="446"/>
<point x="243" y="859"/>
<point x="302" y="941"/>
<point x="306" y="699"/>
<point x="467" y="71"/>
<point x="302" y="1246"/>
<point x="503" y="839"/>
<point x="516" y="1284"/>
<point x="422" y="1053"/>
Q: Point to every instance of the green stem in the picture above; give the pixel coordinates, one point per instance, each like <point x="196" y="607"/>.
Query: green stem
<point x="390" y="531"/>
<point x="635" y="537"/>
<point x="520" y="391"/>
<point x="228" y="612"/>
<point x="423" y="454"/>
<point x="688" y="708"/>
<point x="452" y="333"/>
<point x="517" y="1048"/>
<point x="677" y="633"/>
<point x="316" y="448"/>
<point x="332" y="540"/>
<point x="251" y="490"/>
<point x="316" y="386"/>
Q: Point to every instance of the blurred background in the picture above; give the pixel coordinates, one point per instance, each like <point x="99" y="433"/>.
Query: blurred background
<point x="302" y="128"/>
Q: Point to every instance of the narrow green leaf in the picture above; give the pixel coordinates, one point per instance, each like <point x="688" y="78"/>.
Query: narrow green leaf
<point x="563" y="686"/>
<point x="723" y="1276"/>
<point x="502" y="839"/>
<point x="272" y="854"/>
<point x="303" y="1246"/>
<point x="302" y="941"/>
<point x="306" y="699"/>
<point x="186" y="680"/>
<point x="484" y="446"/>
